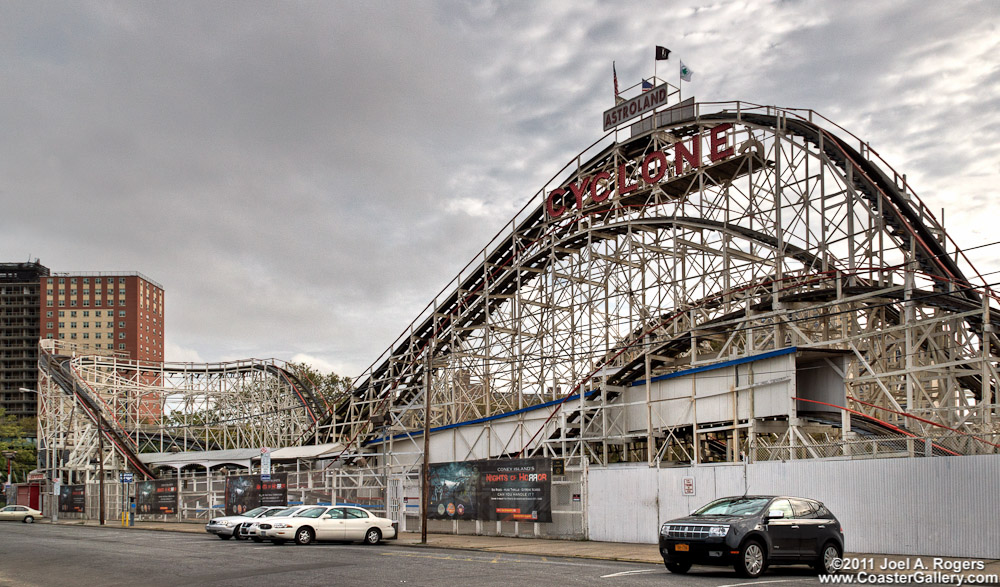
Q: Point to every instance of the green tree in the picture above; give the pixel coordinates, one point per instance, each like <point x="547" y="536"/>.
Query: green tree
<point x="330" y="386"/>
<point x="14" y="436"/>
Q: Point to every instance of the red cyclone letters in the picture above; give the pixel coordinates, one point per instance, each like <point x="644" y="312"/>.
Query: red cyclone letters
<point x="654" y="168"/>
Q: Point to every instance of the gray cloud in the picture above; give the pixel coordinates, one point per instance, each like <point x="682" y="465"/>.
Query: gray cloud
<point x="304" y="177"/>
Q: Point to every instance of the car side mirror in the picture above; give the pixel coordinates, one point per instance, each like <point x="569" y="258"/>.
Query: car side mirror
<point x="775" y="514"/>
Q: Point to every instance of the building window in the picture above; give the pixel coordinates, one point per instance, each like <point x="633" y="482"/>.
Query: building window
<point x="121" y="313"/>
<point x="61" y="280"/>
<point x="48" y="325"/>
<point x="86" y="335"/>
<point x="97" y="335"/>
<point x="62" y="303"/>
<point x="86" y="280"/>
<point x="72" y="324"/>
<point x="97" y="302"/>
<point x="121" y="302"/>
<point x="86" y="303"/>
<point x="111" y="325"/>
<point x="121" y="335"/>
<point x="72" y="293"/>
<point x="48" y="336"/>
<point x="86" y="324"/>
<point x="98" y="280"/>
<point x="121" y="346"/>
<point x="62" y="335"/>
<point x="62" y="313"/>
<point x="72" y="280"/>
<point x="62" y="291"/>
<point x="72" y="313"/>
<point x="121" y="280"/>
<point x="48" y="314"/>
<point x="72" y="335"/>
<point x="49" y="303"/>
<point x="62" y="325"/>
<point x="86" y="313"/>
<point x="121" y="325"/>
<point x="48" y="291"/>
<point x="49" y="280"/>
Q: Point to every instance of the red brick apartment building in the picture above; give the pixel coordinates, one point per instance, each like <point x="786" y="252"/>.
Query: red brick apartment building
<point x="119" y="312"/>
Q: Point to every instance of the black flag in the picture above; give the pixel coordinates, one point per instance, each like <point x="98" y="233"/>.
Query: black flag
<point x="662" y="53"/>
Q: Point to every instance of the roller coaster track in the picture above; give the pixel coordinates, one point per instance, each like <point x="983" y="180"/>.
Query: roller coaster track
<point x="130" y="438"/>
<point x="59" y="369"/>
<point x="509" y="262"/>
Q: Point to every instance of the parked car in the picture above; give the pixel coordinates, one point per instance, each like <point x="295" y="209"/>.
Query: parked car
<point x="250" y="529"/>
<point x="19" y="513"/>
<point x="752" y="532"/>
<point x="341" y="523"/>
<point x="228" y="526"/>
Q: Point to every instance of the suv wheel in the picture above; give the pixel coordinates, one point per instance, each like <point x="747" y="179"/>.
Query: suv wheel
<point x="826" y="564"/>
<point x="678" y="568"/>
<point x="752" y="560"/>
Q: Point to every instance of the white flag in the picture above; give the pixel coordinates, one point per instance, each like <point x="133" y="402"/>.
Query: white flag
<point x="685" y="72"/>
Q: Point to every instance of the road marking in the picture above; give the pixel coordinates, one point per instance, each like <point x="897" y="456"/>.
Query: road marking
<point x="759" y="582"/>
<point x="623" y="573"/>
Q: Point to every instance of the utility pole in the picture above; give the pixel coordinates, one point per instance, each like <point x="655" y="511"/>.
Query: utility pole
<point x="100" y="460"/>
<point x="425" y="492"/>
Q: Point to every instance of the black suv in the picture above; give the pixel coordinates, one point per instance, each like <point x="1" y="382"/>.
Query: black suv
<point x="753" y="532"/>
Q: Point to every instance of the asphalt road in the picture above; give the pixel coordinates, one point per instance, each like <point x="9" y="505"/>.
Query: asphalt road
<point x="47" y="555"/>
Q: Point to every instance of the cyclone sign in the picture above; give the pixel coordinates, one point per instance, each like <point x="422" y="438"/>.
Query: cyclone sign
<point x="682" y="157"/>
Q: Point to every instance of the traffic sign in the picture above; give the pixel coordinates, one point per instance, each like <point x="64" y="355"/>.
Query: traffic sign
<point x="265" y="464"/>
<point x="125" y="477"/>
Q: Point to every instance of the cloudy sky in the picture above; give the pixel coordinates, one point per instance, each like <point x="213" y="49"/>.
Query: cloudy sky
<point x="303" y="177"/>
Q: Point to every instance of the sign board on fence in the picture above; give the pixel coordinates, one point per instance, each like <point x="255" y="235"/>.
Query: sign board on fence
<point x="125" y="477"/>
<point x="518" y="490"/>
<point x="687" y="487"/>
<point x="72" y="499"/>
<point x="245" y="492"/>
<point x="158" y="496"/>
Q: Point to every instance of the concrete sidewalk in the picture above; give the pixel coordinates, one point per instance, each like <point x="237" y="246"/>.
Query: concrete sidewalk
<point x="616" y="551"/>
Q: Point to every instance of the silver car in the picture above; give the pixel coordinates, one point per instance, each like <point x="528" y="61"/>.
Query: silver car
<point x="252" y="531"/>
<point x="228" y="526"/>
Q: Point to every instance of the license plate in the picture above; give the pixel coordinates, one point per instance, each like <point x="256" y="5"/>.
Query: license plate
<point x="682" y="548"/>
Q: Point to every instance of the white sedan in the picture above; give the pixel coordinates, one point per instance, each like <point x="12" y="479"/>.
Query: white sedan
<point x="19" y="513"/>
<point x="342" y="523"/>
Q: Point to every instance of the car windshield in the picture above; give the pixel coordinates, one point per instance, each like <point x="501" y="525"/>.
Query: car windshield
<point x="733" y="506"/>
<point x="255" y="512"/>
<point x="287" y="511"/>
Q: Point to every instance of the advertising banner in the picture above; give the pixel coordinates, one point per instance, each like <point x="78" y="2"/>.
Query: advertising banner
<point x="72" y="499"/>
<point x="454" y="491"/>
<point x="158" y="496"/>
<point x="245" y="492"/>
<point x="517" y="490"/>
